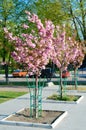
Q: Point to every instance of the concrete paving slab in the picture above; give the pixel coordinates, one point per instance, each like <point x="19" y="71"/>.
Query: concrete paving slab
<point x="75" y="120"/>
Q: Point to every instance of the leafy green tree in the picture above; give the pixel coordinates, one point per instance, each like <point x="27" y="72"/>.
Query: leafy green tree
<point x="12" y="14"/>
<point x="4" y="9"/>
<point x="76" y="10"/>
<point x="51" y="10"/>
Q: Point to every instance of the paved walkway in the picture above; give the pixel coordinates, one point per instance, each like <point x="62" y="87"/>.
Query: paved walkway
<point x="75" y="120"/>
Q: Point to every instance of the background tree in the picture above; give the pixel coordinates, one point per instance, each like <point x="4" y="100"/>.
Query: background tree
<point x="51" y="10"/>
<point x="77" y="16"/>
<point x="12" y="14"/>
<point x="77" y="62"/>
<point x="4" y="9"/>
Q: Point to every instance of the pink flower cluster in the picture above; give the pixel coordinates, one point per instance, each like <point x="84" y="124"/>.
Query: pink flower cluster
<point x="34" y="51"/>
<point x="67" y="51"/>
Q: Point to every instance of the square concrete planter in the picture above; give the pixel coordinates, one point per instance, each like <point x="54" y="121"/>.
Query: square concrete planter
<point x="68" y="102"/>
<point x="53" y="124"/>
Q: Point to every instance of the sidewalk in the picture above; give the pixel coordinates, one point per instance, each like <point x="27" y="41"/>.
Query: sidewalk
<point x="75" y="120"/>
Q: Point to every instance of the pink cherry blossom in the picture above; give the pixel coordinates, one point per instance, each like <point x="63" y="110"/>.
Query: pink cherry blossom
<point x="25" y="26"/>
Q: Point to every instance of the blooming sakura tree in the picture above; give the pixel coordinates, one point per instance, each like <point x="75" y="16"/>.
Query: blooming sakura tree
<point x="33" y="50"/>
<point x="77" y="62"/>
<point x="65" y="52"/>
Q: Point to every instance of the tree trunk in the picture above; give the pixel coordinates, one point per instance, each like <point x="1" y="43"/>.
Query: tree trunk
<point x="6" y="73"/>
<point x="75" y="77"/>
<point x="35" y="110"/>
<point x="73" y="17"/>
<point x="61" y="84"/>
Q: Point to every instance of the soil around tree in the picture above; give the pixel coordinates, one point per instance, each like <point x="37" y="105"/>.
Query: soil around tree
<point x="48" y="116"/>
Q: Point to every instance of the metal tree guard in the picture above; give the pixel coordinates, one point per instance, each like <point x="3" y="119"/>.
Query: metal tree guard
<point x="75" y="78"/>
<point x="64" y="81"/>
<point x="31" y="87"/>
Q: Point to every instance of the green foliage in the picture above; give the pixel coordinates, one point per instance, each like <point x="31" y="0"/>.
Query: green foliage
<point x="76" y="9"/>
<point x="64" y="97"/>
<point x="7" y="95"/>
<point x="12" y="14"/>
<point x="51" y="10"/>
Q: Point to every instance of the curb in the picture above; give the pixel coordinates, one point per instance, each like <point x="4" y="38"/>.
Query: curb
<point x="30" y="124"/>
<point x="66" y="102"/>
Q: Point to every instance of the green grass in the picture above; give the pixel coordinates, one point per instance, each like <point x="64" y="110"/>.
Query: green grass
<point x="64" y="97"/>
<point x="7" y="95"/>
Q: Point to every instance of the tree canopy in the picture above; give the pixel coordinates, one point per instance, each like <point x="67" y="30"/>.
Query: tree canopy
<point x="12" y="14"/>
<point x="49" y="9"/>
<point x="76" y="10"/>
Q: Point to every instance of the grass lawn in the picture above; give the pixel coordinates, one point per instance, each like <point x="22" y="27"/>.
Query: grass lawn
<point x="64" y="97"/>
<point x="7" y="95"/>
